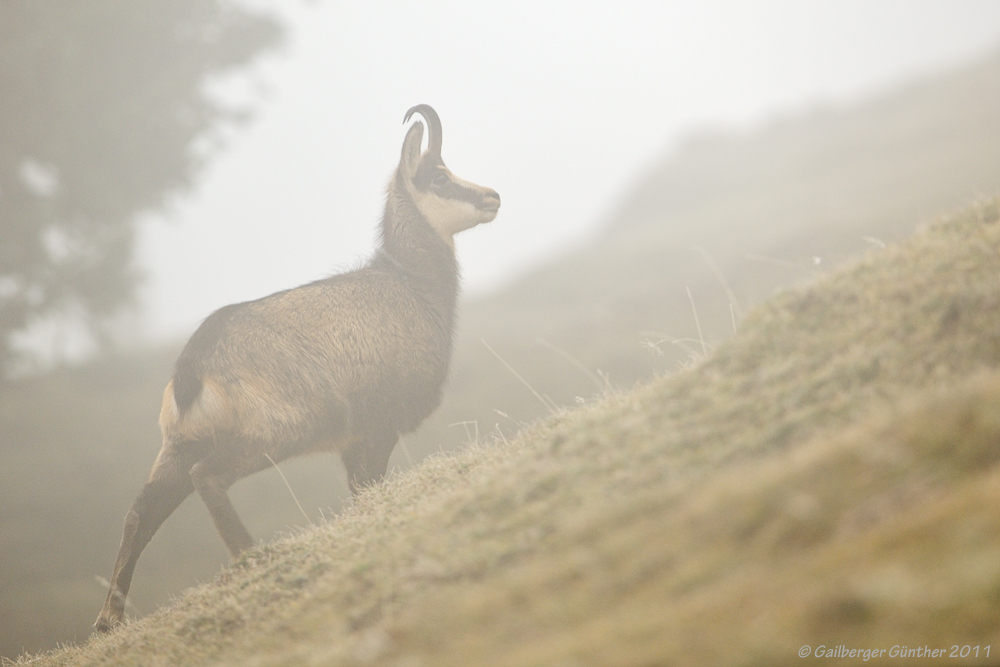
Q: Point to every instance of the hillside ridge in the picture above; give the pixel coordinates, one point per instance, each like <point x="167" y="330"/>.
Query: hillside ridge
<point x="829" y="476"/>
<point x="775" y="205"/>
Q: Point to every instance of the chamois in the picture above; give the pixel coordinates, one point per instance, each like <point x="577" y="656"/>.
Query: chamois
<point x="345" y="364"/>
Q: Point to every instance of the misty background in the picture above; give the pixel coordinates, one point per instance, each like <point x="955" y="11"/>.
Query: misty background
<point x="641" y="150"/>
<point x="559" y="110"/>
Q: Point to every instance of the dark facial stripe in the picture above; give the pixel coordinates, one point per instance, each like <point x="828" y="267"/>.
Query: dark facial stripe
<point x="453" y="190"/>
<point x="428" y="171"/>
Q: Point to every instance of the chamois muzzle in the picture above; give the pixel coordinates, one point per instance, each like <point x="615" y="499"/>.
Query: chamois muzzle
<point x="490" y="202"/>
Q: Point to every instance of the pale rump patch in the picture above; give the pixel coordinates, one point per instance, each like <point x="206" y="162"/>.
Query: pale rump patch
<point x="168" y="409"/>
<point x="210" y="413"/>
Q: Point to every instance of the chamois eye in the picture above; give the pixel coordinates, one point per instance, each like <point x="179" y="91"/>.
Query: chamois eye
<point x="439" y="180"/>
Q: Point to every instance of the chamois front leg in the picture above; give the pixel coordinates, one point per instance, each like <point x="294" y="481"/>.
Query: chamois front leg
<point x="169" y="484"/>
<point x="366" y="460"/>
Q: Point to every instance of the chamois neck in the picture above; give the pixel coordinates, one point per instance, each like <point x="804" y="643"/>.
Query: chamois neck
<point x="410" y="247"/>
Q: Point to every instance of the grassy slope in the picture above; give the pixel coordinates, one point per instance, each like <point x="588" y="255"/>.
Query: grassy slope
<point x="827" y="477"/>
<point x="77" y="444"/>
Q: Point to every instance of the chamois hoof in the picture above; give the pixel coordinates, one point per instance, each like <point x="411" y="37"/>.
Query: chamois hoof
<point x="104" y="625"/>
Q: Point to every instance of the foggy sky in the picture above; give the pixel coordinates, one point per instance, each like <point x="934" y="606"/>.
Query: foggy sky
<point x="557" y="106"/>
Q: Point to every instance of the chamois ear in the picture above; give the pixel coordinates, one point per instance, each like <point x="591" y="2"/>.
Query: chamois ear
<point x="410" y="158"/>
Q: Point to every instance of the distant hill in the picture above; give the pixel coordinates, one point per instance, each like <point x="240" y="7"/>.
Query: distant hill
<point x="827" y="481"/>
<point x="762" y="205"/>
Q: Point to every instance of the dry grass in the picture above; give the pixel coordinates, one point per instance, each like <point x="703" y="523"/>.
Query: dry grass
<point x="733" y="215"/>
<point x="827" y="477"/>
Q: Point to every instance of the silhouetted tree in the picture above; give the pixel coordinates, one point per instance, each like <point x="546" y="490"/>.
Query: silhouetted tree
<point x="103" y="114"/>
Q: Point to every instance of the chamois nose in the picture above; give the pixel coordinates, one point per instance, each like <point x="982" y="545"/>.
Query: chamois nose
<point x="491" y="201"/>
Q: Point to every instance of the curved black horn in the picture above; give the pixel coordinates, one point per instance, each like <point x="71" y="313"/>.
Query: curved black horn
<point x="433" y="127"/>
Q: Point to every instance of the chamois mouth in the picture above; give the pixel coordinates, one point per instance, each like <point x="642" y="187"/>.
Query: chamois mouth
<point x="490" y="203"/>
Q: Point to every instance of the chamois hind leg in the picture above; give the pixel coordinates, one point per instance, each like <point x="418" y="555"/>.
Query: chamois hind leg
<point x="212" y="477"/>
<point x="169" y="484"/>
<point x="366" y="460"/>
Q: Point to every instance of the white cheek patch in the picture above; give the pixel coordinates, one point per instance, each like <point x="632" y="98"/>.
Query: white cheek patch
<point x="447" y="216"/>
